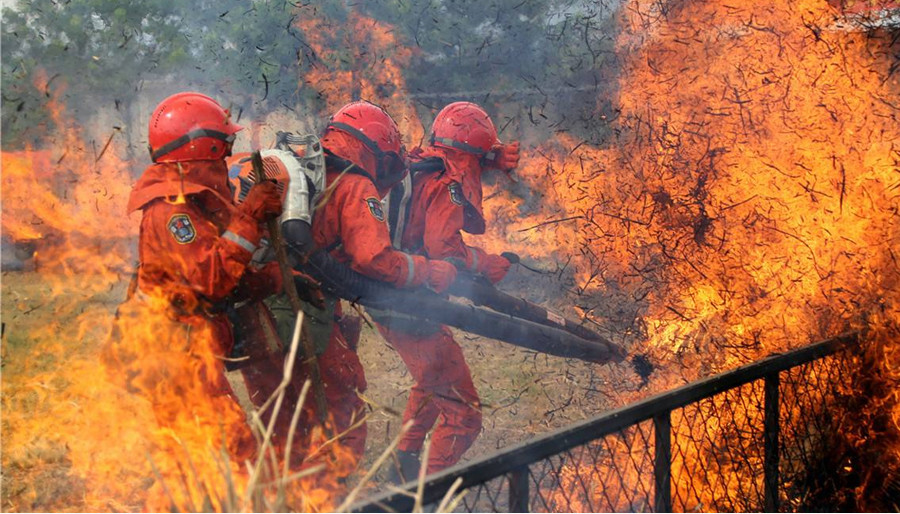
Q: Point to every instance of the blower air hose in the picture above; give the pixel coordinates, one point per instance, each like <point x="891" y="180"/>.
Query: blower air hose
<point x="487" y="295"/>
<point x="339" y="280"/>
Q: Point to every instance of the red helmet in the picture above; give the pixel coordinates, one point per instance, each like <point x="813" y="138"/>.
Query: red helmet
<point x="464" y="126"/>
<point x="373" y="127"/>
<point x="190" y="127"/>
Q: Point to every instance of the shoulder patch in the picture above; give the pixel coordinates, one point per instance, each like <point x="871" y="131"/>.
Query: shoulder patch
<point x="456" y="195"/>
<point x="375" y="208"/>
<point x="182" y="229"/>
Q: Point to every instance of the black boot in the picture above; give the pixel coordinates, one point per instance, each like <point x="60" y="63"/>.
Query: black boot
<point x="404" y="467"/>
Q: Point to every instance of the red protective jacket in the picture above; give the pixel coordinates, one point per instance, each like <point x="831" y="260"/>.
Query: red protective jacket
<point x="351" y="224"/>
<point x="443" y="205"/>
<point x="171" y="335"/>
<point x="195" y="245"/>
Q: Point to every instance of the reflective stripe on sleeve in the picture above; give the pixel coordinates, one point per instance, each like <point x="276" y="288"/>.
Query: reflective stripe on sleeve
<point x="243" y="243"/>
<point x="410" y="270"/>
<point x="474" y="266"/>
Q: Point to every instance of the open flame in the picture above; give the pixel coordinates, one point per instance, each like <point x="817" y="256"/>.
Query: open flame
<point x="750" y="198"/>
<point x="751" y="191"/>
<point x="749" y="204"/>
<point x="359" y="58"/>
<point x="69" y="205"/>
<point x="60" y="403"/>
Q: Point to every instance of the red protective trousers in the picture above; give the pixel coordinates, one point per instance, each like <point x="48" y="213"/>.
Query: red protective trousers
<point x="443" y="393"/>
<point x="342" y="377"/>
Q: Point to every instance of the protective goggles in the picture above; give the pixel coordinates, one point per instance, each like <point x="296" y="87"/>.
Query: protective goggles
<point x="390" y="164"/>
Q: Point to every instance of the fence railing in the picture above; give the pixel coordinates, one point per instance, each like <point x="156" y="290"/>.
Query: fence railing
<point x="744" y="440"/>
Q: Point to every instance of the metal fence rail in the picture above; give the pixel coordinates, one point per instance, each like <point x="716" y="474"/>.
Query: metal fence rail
<point x="738" y="441"/>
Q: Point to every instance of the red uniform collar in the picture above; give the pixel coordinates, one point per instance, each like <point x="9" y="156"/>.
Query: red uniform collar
<point x="349" y="148"/>
<point x="169" y="179"/>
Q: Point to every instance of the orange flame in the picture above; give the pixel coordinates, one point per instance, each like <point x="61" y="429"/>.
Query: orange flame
<point x="62" y="409"/>
<point x="749" y="204"/>
<point x="360" y="59"/>
<point x="749" y="201"/>
<point x="71" y="206"/>
<point x="752" y="191"/>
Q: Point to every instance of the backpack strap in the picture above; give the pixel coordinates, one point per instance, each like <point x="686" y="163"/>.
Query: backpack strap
<point x="398" y="200"/>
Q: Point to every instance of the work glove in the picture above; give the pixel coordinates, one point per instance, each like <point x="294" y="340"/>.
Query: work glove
<point x="256" y="284"/>
<point x="263" y="202"/>
<point x="308" y="289"/>
<point x="494" y="267"/>
<point x="504" y="157"/>
<point x="440" y="275"/>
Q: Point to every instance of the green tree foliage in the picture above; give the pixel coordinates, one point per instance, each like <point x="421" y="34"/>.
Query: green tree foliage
<point x="249" y="50"/>
<point x="551" y="59"/>
<point x="92" y="49"/>
<point x="471" y="44"/>
<point x="99" y="52"/>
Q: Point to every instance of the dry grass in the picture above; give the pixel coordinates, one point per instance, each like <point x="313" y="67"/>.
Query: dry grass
<point x="523" y="393"/>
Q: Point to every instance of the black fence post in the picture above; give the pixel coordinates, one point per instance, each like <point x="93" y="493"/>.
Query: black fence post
<point x="662" y="465"/>
<point x="518" y="490"/>
<point x="771" y="432"/>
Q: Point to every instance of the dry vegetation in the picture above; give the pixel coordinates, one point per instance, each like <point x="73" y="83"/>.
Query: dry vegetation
<point x="35" y="464"/>
<point x="524" y="393"/>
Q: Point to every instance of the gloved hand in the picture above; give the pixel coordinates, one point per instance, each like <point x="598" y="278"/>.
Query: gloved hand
<point x="494" y="268"/>
<point x="440" y="275"/>
<point x="415" y="153"/>
<point x="505" y="156"/>
<point x="258" y="283"/>
<point x="308" y="289"/>
<point x="263" y="202"/>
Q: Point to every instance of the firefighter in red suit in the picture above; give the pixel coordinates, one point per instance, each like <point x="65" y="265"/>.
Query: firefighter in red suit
<point x="364" y="158"/>
<point x="171" y="334"/>
<point x="445" y="200"/>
